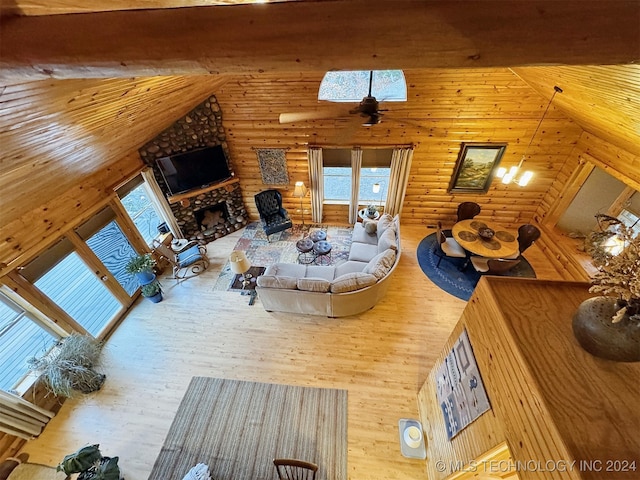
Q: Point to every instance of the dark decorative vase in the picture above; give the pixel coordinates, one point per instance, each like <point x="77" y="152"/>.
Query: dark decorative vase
<point x="598" y="335"/>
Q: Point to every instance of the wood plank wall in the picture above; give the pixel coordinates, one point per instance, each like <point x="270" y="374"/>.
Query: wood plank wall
<point x="445" y="107"/>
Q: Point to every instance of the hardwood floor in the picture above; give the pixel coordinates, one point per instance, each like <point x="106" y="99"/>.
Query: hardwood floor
<point x="381" y="357"/>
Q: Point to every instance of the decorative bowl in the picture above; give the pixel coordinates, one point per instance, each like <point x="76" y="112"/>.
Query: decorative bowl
<point x="486" y="233"/>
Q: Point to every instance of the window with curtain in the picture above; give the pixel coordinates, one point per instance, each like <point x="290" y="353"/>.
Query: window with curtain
<point x="337" y="173"/>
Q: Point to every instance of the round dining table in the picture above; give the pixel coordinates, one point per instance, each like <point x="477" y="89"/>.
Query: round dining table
<point x="502" y="244"/>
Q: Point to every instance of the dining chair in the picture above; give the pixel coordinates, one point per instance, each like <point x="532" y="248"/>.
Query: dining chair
<point x="493" y="266"/>
<point x="292" y="469"/>
<point x="192" y="260"/>
<point x="447" y="246"/>
<point x="527" y="235"/>
<point x="468" y="210"/>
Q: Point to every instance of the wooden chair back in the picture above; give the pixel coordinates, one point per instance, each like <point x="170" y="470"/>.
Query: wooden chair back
<point x="527" y="234"/>
<point x="292" y="469"/>
<point x="468" y="210"/>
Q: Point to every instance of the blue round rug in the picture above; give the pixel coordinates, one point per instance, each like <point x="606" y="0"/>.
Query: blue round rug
<point x="449" y="278"/>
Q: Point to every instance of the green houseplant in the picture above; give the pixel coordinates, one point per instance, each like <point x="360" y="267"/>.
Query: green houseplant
<point x="142" y="267"/>
<point x="89" y="463"/>
<point x="69" y="367"/>
<point x="152" y="291"/>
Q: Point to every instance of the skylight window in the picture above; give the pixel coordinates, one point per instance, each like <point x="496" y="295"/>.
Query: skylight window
<point x="353" y="86"/>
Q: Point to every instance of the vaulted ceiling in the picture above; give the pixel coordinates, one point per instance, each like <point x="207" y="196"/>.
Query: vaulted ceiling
<point x="79" y="92"/>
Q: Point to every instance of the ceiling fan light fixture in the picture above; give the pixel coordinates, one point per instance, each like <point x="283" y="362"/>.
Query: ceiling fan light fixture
<point x="374" y="119"/>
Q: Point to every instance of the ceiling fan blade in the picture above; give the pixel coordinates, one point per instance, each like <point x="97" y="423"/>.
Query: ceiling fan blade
<point x="324" y="114"/>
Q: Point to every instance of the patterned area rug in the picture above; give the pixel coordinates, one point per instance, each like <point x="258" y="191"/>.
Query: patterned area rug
<point x="282" y="248"/>
<point x="450" y="279"/>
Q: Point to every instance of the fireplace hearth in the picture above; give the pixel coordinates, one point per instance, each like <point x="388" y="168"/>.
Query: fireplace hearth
<point x="211" y="218"/>
<point x="211" y="214"/>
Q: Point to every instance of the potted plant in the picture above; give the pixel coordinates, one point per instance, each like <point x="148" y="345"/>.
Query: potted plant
<point x="89" y="463"/>
<point x="152" y="291"/>
<point x="142" y="267"/>
<point x="69" y="367"/>
<point x="609" y="326"/>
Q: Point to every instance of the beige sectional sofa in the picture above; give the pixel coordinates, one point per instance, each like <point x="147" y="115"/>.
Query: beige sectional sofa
<point x="337" y="290"/>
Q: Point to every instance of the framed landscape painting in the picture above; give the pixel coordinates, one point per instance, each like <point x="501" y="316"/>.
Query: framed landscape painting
<point x="475" y="166"/>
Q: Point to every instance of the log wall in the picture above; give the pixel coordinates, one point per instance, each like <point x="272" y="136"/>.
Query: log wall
<point x="444" y="108"/>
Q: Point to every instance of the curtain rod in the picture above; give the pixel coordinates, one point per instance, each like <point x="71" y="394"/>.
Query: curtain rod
<point x="371" y="147"/>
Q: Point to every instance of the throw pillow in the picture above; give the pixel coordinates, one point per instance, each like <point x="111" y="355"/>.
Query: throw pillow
<point x="387" y="240"/>
<point x="371" y="227"/>
<point x="314" y="285"/>
<point x="270" y="281"/>
<point x="384" y="222"/>
<point x="380" y="265"/>
<point x="352" y="281"/>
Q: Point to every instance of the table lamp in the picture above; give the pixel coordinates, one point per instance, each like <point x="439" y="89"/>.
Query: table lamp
<point x="240" y="266"/>
<point x="300" y="191"/>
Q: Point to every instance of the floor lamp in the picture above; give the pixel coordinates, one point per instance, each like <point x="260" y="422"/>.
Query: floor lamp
<point x="300" y="191"/>
<point x="240" y="266"/>
<point x="377" y="189"/>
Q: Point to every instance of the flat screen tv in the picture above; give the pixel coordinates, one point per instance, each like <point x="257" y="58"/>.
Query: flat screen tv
<point x="195" y="169"/>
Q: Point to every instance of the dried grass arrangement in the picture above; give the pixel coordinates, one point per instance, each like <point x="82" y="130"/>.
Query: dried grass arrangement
<point x="68" y="369"/>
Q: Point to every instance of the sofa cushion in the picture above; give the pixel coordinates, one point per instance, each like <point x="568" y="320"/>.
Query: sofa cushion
<point x="286" y="270"/>
<point x="362" y="252"/>
<point x="321" y="271"/>
<point x="350" y="266"/>
<point x="360" y="235"/>
<point x="380" y="265"/>
<point x="272" y="281"/>
<point x="314" y="284"/>
<point x="352" y="281"/>
<point x="384" y="222"/>
<point x="388" y="240"/>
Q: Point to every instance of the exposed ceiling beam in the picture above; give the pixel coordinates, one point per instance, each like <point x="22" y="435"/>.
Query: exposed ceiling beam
<point x="319" y="36"/>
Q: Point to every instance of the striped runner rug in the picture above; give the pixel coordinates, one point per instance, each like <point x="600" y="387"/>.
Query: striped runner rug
<point x="237" y="428"/>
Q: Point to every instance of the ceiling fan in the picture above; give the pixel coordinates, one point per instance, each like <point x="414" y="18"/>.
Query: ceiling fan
<point x="368" y="108"/>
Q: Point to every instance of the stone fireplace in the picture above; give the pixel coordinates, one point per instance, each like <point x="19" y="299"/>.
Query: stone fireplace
<point x="209" y="213"/>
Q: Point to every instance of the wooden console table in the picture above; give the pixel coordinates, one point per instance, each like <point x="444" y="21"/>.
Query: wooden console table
<point x="557" y="412"/>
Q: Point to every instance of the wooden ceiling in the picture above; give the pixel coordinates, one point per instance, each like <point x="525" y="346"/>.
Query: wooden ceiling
<point x="67" y="128"/>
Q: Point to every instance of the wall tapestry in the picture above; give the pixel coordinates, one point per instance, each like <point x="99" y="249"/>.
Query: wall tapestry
<point x="273" y="166"/>
<point x="459" y="388"/>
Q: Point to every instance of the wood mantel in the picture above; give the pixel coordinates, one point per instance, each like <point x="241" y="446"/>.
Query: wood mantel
<point x="551" y="402"/>
<point x="198" y="191"/>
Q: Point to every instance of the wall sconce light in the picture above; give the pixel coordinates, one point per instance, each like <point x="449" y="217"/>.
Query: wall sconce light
<point x="509" y="176"/>
<point x="300" y="191"/>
